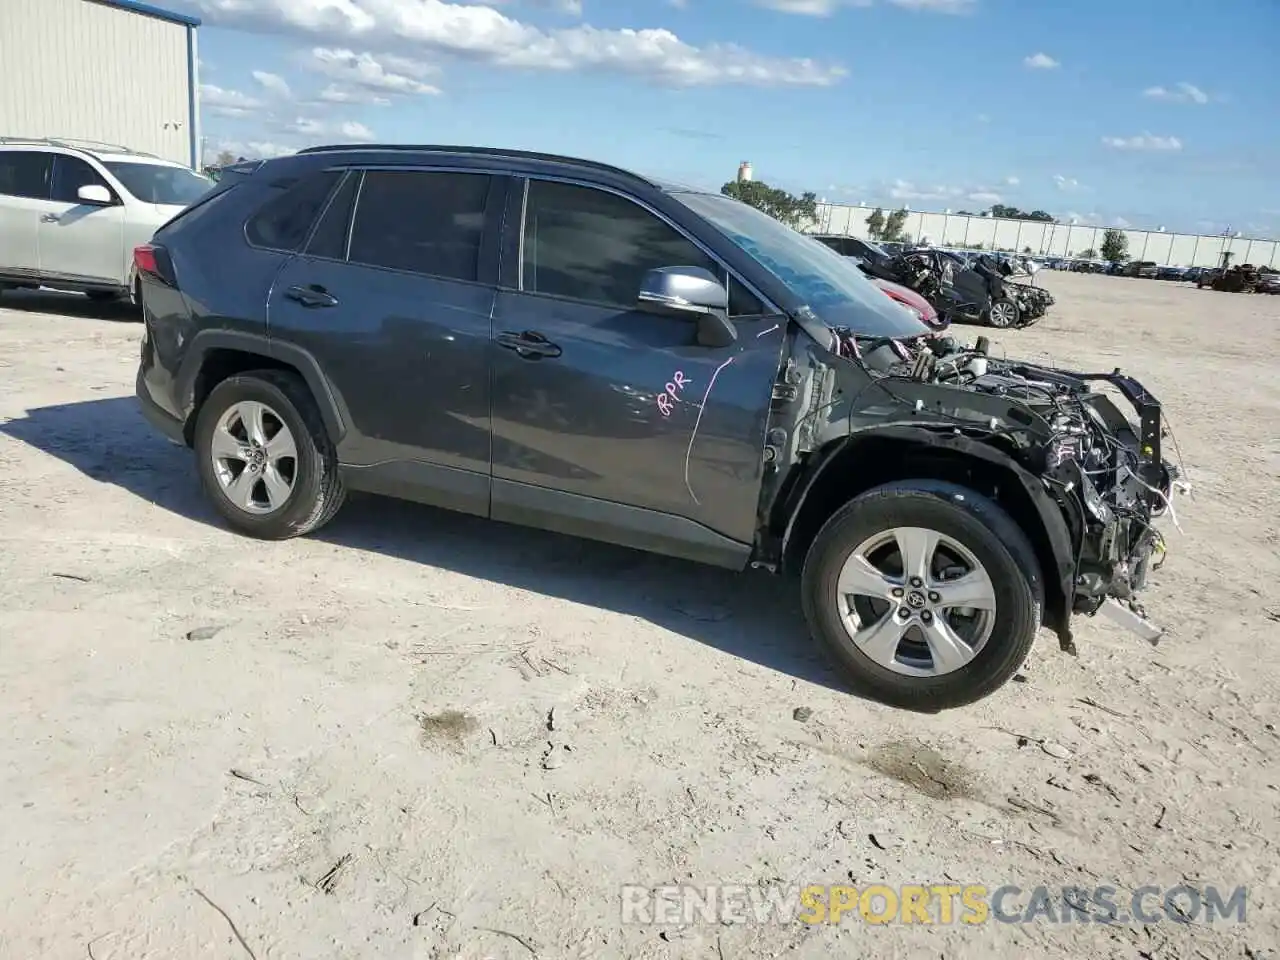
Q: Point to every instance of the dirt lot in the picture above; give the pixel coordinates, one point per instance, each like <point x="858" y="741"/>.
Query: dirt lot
<point x="378" y="697"/>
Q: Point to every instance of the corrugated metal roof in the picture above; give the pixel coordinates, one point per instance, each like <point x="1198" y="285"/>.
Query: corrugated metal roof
<point x="147" y="10"/>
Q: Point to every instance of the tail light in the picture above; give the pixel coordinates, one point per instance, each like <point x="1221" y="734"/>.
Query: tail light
<point x="151" y="259"/>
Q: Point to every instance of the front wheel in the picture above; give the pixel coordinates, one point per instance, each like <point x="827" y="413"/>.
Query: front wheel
<point x="1003" y="314"/>
<point x="925" y="594"/>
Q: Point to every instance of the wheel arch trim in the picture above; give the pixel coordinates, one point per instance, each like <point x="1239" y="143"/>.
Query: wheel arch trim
<point x="332" y="409"/>
<point x="1057" y="614"/>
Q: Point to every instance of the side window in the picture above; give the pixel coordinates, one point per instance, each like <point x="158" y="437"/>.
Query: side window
<point x="25" y="173"/>
<point x="69" y="175"/>
<point x="283" y="222"/>
<point x="421" y="221"/>
<point x="330" y="237"/>
<point x="592" y="245"/>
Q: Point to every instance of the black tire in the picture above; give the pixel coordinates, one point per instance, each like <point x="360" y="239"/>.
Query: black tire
<point x="1003" y="314"/>
<point x="317" y="492"/>
<point x="975" y="522"/>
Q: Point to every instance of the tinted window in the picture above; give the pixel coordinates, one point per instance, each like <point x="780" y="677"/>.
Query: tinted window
<point x="422" y="222"/>
<point x="592" y="245"/>
<point x="69" y="175"/>
<point x="284" y="221"/>
<point x="330" y="238"/>
<point x="160" y="183"/>
<point x="25" y="173"/>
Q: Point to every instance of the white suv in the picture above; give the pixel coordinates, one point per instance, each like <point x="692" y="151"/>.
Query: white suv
<point x="71" y="212"/>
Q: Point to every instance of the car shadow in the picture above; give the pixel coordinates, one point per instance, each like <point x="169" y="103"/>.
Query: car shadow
<point x="753" y="616"/>
<point x="69" y="305"/>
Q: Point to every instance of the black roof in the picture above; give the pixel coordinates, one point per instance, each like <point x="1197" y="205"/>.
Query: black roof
<point x="454" y="150"/>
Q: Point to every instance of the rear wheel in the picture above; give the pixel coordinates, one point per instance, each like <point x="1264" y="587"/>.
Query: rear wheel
<point x="1003" y="314"/>
<point x="265" y="458"/>
<point x="925" y="594"/>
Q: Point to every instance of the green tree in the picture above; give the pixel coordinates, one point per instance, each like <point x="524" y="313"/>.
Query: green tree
<point x="1090" y="254"/>
<point x="875" y="224"/>
<point x="778" y="203"/>
<point x="893" y="226"/>
<point x="1115" y="245"/>
<point x="1006" y="212"/>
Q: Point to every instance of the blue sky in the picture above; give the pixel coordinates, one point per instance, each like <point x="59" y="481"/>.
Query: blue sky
<point x="1132" y="112"/>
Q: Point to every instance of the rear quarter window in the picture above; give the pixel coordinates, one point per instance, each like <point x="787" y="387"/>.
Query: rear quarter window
<point x="284" y="221"/>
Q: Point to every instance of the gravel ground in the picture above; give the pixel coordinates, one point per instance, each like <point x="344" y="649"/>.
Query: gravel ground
<point x="488" y="731"/>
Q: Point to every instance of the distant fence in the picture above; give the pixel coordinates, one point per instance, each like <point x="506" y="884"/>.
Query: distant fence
<point x="1052" y="239"/>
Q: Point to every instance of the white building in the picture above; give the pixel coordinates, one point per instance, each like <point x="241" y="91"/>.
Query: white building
<point x="116" y="71"/>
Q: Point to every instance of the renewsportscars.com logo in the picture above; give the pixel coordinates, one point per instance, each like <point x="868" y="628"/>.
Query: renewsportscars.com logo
<point x="936" y="904"/>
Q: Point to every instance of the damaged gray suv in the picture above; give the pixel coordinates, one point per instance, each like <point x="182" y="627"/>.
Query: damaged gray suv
<point x="567" y="345"/>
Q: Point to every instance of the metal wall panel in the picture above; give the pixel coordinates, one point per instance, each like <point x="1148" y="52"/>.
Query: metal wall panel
<point x="75" y="68"/>
<point x="1049" y="239"/>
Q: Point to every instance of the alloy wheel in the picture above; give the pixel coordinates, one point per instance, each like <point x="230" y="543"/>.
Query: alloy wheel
<point x="1003" y="314"/>
<point x="916" y="602"/>
<point x="255" y="457"/>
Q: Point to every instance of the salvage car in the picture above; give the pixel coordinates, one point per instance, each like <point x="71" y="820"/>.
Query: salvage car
<point x="568" y="345"/>
<point x="979" y="293"/>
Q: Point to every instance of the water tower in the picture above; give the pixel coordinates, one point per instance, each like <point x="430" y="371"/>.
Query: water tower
<point x="744" y="171"/>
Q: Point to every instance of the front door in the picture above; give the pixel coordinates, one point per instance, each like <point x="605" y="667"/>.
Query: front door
<point x="78" y="240"/>
<point x="396" y="312"/>
<point x="24" y="190"/>
<point x="615" y="423"/>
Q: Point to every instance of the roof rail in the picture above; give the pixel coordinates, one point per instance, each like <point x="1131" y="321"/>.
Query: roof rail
<point x="481" y="152"/>
<point x="76" y="143"/>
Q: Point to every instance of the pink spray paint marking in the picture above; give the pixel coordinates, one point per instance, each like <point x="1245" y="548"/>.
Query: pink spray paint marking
<point x="670" y="395"/>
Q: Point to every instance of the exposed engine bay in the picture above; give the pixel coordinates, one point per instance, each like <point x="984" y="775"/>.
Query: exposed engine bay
<point x="1105" y="473"/>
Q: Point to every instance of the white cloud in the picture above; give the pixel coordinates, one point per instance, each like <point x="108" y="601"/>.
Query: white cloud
<point x="334" y="93"/>
<point x="1119" y="222"/>
<point x="1181" y="93"/>
<point x="810" y="8"/>
<point x="346" y="130"/>
<point x="906" y="190"/>
<point x="1144" y="141"/>
<point x="273" y="83"/>
<point x="937" y="6"/>
<point x="1011" y="181"/>
<point x="250" y="150"/>
<point x="227" y="103"/>
<point x="825" y="8"/>
<point x="482" y="34"/>
<point x="1066" y="184"/>
<point x="1040" y="61"/>
<point x="386" y="75"/>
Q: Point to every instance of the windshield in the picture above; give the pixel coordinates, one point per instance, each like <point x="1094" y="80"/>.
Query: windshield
<point x="160" y="183"/>
<point x="829" y="284"/>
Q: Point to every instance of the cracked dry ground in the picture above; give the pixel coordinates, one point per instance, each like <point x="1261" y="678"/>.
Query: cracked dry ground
<point x="456" y="739"/>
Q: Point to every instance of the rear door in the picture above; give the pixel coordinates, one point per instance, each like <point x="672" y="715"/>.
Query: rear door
<point x="78" y="240"/>
<point x="24" y="189"/>
<point x="393" y="297"/>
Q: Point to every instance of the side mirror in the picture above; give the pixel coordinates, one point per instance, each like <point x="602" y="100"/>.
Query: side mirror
<point x="693" y="293"/>
<point x="96" y="194"/>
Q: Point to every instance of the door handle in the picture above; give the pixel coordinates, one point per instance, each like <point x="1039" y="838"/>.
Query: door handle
<point x="313" y="295"/>
<point x="528" y="345"/>
<point x="49" y="218"/>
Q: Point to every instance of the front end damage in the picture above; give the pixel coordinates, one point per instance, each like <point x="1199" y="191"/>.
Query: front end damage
<point x="1096" y="480"/>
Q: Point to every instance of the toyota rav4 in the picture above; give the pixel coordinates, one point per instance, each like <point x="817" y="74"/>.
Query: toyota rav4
<point x="567" y="345"/>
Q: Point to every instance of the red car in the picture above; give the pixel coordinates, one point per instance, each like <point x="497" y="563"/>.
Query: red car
<point x="913" y="301"/>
